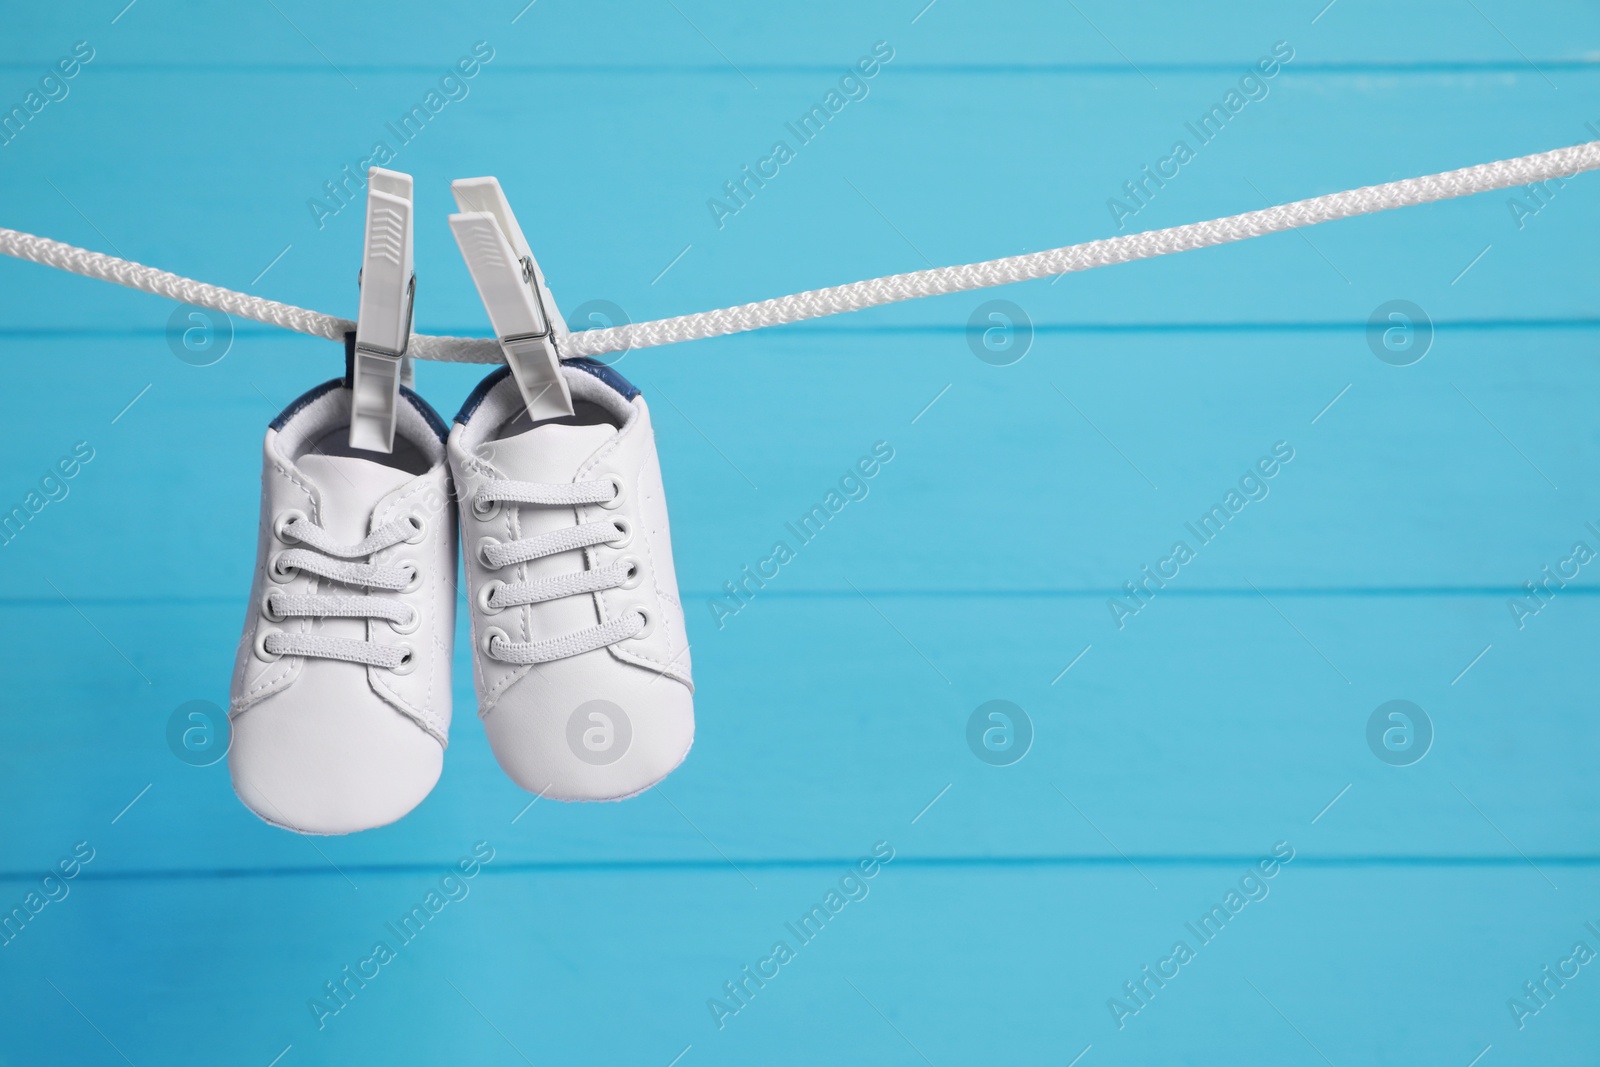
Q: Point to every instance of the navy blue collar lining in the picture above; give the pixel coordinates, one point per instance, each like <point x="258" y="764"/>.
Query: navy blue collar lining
<point x="592" y="367"/>
<point x="299" y="404"/>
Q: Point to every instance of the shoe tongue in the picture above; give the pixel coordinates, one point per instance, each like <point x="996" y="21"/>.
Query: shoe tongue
<point x="351" y="489"/>
<point x="549" y="453"/>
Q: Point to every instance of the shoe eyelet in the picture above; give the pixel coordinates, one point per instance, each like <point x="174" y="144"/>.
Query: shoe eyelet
<point x="616" y="499"/>
<point x="649" y="624"/>
<point x="485" y="592"/>
<point x="277" y="572"/>
<point x="484" y="544"/>
<point x="261" y="647"/>
<point x="266" y="609"/>
<point x="486" y="642"/>
<point x="409" y="627"/>
<point x="408" y="661"/>
<point x="415" y="581"/>
<point x="635" y="573"/>
<point x="419" y="528"/>
<point x="283" y="520"/>
<point x="624" y="536"/>
<point x="484" y="510"/>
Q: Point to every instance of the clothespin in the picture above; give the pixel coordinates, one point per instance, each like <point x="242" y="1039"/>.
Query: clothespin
<point x="383" y="326"/>
<point x="512" y="288"/>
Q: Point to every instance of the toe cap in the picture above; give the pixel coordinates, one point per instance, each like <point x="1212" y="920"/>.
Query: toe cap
<point x="591" y="728"/>
<point x="328" y="756"/>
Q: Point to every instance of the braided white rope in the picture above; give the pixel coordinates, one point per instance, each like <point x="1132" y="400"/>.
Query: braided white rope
<point x="161" y="283"/>
<point x="1525" y="170"/>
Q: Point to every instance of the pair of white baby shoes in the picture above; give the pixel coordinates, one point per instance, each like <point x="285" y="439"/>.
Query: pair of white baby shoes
<point x="341" y="690"/>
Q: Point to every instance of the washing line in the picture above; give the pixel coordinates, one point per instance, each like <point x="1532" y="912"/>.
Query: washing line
<point x="855" y="296"/>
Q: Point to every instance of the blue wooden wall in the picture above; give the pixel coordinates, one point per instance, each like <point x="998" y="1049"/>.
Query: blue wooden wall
<point x="1170" y="751"/>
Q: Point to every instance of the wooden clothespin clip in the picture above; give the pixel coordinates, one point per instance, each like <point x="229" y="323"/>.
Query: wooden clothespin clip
<point x="383" y="325"/>
<point x="513" y="291"/>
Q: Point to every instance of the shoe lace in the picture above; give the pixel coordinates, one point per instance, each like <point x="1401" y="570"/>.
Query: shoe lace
<point x="334" y="561"/>
<point x="498" y="595"/>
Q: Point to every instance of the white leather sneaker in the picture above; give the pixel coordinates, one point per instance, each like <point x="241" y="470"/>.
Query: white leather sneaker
<point x="579" y="652"/>
<point x="341" y="688"/>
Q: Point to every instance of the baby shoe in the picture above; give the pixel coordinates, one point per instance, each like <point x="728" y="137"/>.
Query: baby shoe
<point x="579" y="652"/>
<point x="341" y="688"/>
